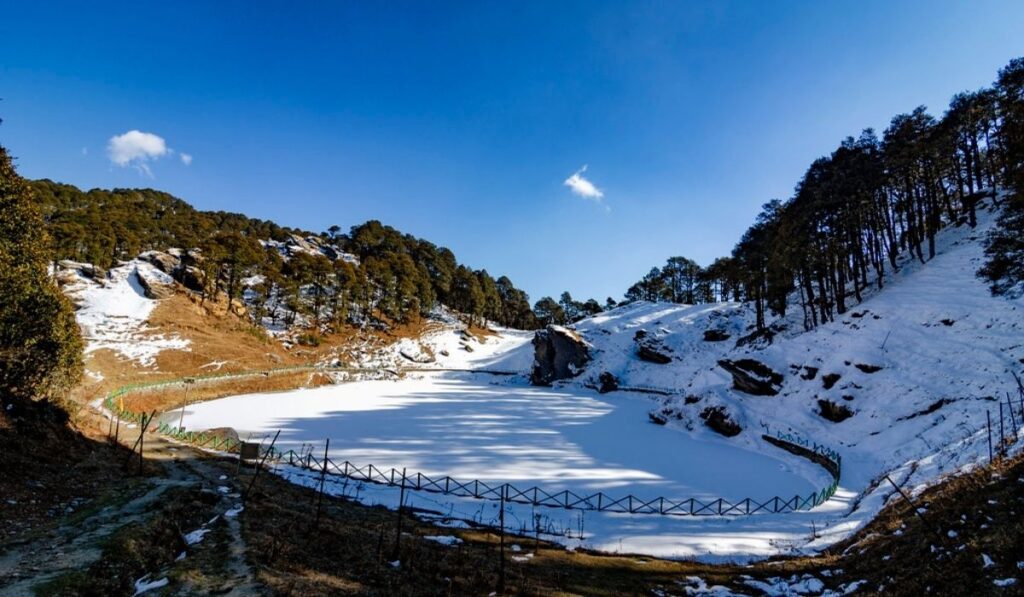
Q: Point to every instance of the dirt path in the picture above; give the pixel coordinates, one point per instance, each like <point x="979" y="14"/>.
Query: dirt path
<point x="76" y="542"/>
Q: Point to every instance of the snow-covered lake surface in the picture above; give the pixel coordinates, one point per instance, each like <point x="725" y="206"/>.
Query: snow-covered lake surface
<point x="470" y="427"/>
<point x="557" y="439"/>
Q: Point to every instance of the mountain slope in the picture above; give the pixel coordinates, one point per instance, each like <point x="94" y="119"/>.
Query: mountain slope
<point x="919" y="363"/>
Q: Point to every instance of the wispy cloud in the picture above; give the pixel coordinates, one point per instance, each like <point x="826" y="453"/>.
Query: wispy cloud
<point x="583" y="187"/>
<point x="137" y="149"/>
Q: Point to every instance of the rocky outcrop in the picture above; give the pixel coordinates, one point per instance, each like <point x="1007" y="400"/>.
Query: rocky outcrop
<point x="417" y="354"/>
<point x="558" y="353"/>
<point x="715" y="336"/>
<point x="164" y="262"/>
<point x="752" y="377"/>
<point x="191" y="278"/>
<point x="652" y="350"/>
<point x="153" y="287"/>
<point x="828" y="380"/>
<point x="868" y="368"/>
<point x="718" y="419"/>
<point x="834" y="412"/>
<point x="608" y="381"/>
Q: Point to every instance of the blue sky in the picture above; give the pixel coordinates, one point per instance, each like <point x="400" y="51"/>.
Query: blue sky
<point x="460" y="123"/>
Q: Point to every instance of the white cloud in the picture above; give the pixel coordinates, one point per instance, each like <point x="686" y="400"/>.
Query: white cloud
<point x="583" y="187"/>
<point x="136" y="149"/>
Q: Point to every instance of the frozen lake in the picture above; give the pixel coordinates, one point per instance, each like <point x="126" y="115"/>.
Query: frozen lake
<point x="555" y="438"/>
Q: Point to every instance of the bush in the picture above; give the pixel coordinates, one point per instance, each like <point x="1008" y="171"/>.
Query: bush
<point x="308" y="339"/>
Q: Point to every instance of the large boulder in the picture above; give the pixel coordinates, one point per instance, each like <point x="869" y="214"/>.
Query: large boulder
<point x="609" y="383"/>
<point x="752" y="377"/>
<point x="155" y="287"/>
<point x="652" y="350"/>
<point x="558" y="353"/>
<point x="165" y="262"/>
<point x="191" y="278"/>
<point x="718" y="419"/>
<point x="716" y="335"/>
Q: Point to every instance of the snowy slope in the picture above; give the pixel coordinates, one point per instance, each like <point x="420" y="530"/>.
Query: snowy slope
<point x="945" y="346"/>
<point x="113" y="310"/>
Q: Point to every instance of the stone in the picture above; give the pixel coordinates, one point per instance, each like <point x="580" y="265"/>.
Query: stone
<point x="153" y="288"/>
<point x="609" y="383"/>
<point x="652" y="350"/>
<point x="836" y="413"/>
<point x="753" y="377"/>
<point x="558" y="353"/>
<point x="164" y="262"/>
<point x="715" y="336"/>
<point x="809" y="373"/>
<point x="830" y="380"/>
<point x="717" y="419"/>
<point x="190" y="277"/>
<point x="868" y="368"/>
<point x="416" y="355"/>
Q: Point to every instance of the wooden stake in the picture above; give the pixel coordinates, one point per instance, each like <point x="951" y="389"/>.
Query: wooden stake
<point x="259" y="466"/>
<point x="501" y="553"/>
<point x="398" y="532"/>
<point x="988" y="419"/>
<point x="323" y="476"/>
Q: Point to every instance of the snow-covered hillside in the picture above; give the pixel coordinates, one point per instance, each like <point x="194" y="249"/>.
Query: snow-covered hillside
<point x="113" y="308"/>
<point x="914" y="368"/>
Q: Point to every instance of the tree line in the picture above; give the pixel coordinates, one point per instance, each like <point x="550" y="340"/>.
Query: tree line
<point x="370" y="274"/>
<point x="856" y="210"/>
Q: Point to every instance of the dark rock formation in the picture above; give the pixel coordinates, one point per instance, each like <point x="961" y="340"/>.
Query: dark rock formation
<point x="715" y="336"/>
<point x="609" y="383"/>
<point x="868" y="368"/>
<point x="753" y="377"/>
<point x="834" y="412"/>
<point x="830" y="380"/>
<point x="809" y="373"/>
<point x="558" y="353"/>
<point x="652" y="350"/>
<point x="657" y="418"/>
<point x="718" y="420"/>
<point x="191" y="278"/>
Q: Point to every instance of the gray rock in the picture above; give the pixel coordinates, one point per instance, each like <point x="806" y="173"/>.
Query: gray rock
<point x="558" y="353"/>
<point x="164" y="262"/>
<point x="652" y="350"/>
<point x="152" y="288"/>
<point x="753" y="377"/>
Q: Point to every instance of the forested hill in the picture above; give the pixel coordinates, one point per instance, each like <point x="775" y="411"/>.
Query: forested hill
<point x="871" y="199"/>
<point x="372" y="271"/>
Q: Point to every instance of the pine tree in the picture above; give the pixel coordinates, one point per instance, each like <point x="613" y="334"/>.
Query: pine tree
<point x="39" y="339"/>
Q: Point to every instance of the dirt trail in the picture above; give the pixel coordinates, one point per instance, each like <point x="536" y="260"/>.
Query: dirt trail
<point x="75" y="542"/>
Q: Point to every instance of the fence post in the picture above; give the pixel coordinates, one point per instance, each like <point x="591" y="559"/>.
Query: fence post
<point x="259" y="466"/>
<point x="1013" y="417"/>
<point x="1002" y="434"/>
<point x="501" y="553"/>
<point x="398" y="532"/>
<point x="988" y="419"/>
<point x="323" y="476"/>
